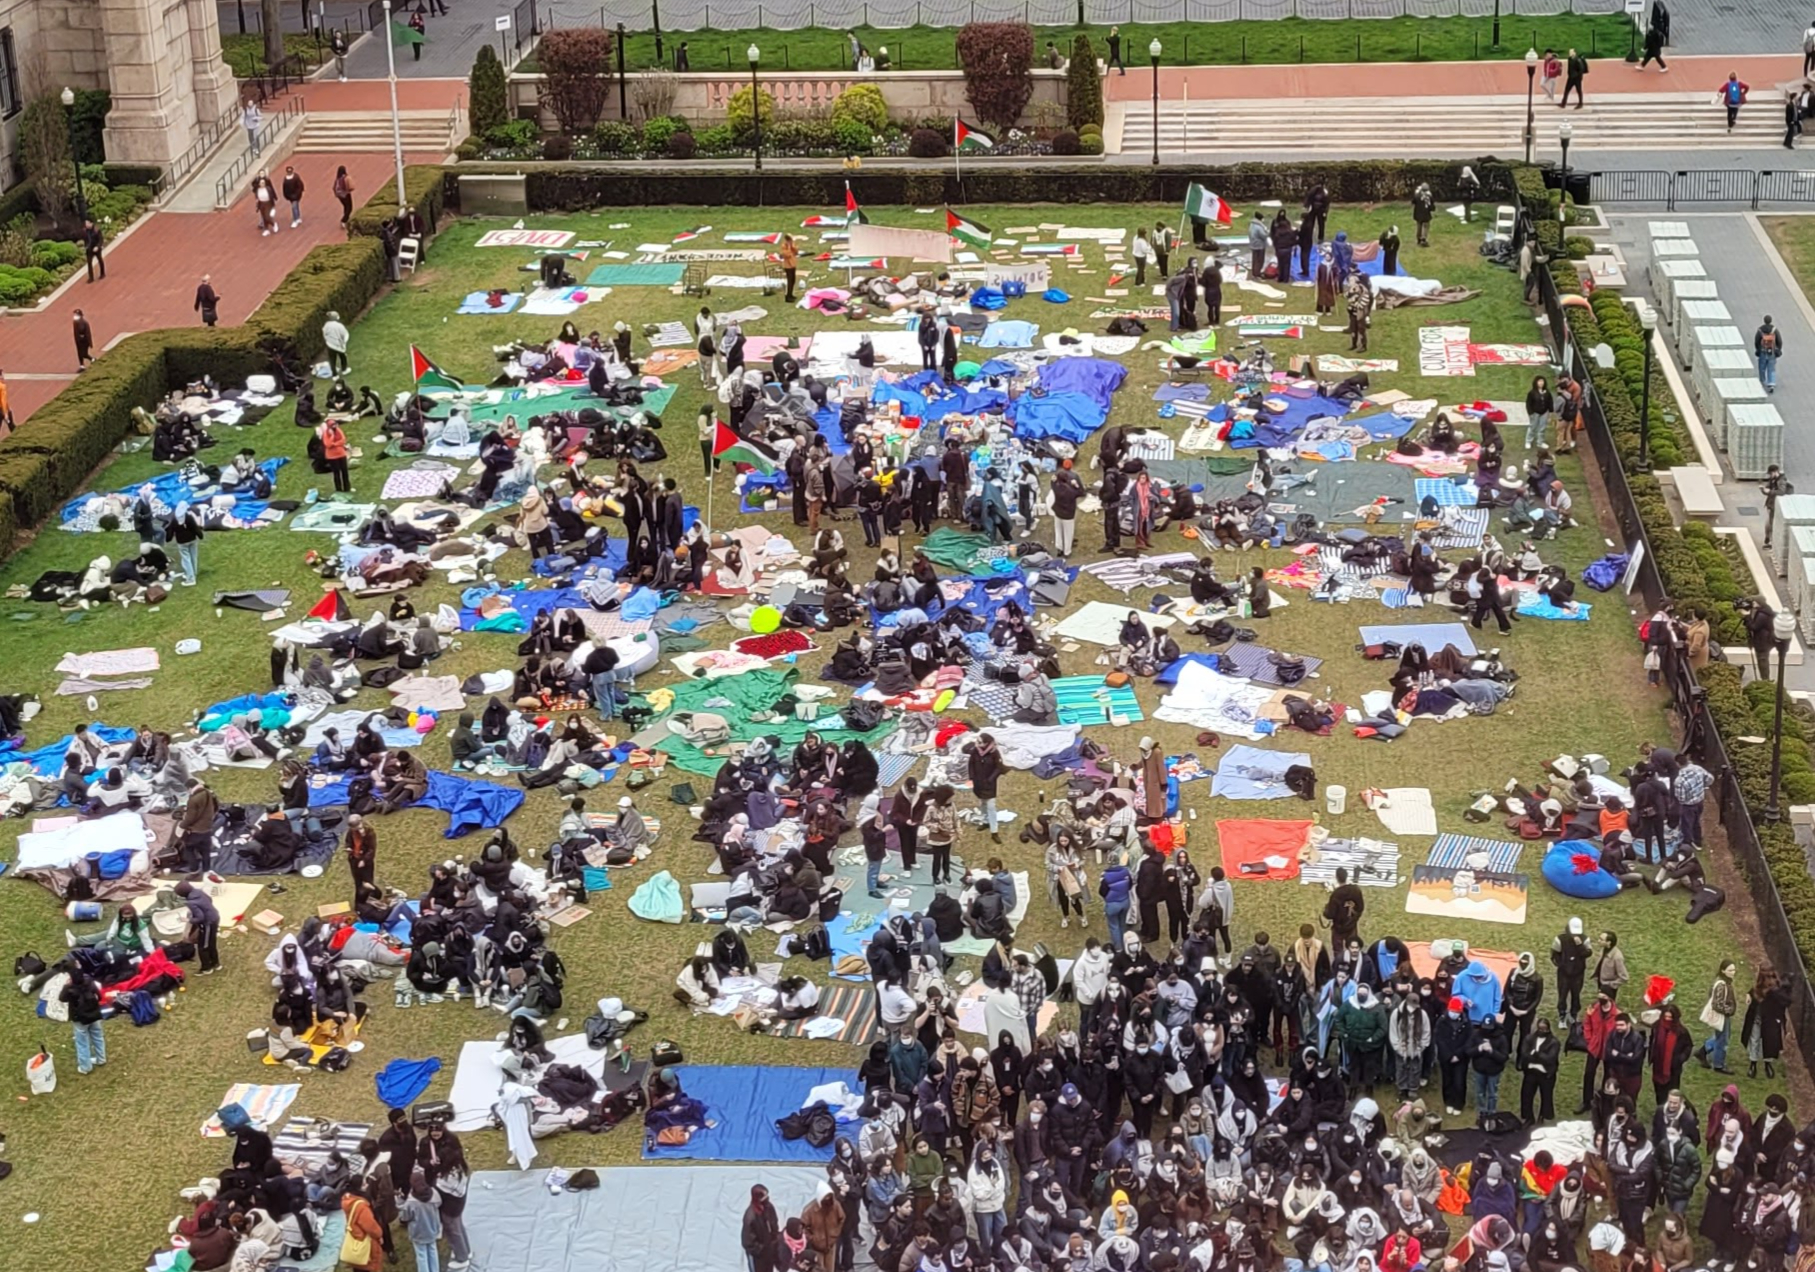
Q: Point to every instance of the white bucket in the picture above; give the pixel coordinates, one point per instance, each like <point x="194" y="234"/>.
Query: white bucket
<point x="41" y="1072"/>
<point x="1336" y="798"/>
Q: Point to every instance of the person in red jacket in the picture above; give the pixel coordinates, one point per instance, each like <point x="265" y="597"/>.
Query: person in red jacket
<point x="1597" y="1023"/>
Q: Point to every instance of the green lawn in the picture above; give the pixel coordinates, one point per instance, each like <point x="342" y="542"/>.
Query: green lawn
<point x="1287" y="40"/>
<point x="128" y="1134"/>
<point x="1795" y="240"/>
<point x="246" y="53"/>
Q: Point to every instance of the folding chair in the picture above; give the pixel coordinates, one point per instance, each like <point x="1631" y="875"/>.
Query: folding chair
<point x="407" y="252"/>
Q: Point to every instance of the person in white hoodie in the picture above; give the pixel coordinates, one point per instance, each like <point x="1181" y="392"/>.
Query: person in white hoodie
<point x="988" y="1184"/>
<point x="1089" y="976"/>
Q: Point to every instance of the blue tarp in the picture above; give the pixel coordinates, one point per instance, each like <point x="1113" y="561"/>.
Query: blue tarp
<point x="1247" y="772"/>
<point x="1071" y="417"/>
<point x="170" y="489"/>
<point x="1096" y="378"/>
<point x="1280" y="429"/>
<point x="1169" y="674"/>
<point x="469" y="805"/>
<point x="745" y="1100"/>
<point x="926" y="397"/>
<point x="401" y="1081"/>
<point x="221" y="714"/>
<point x="49" y="759"/>
<point x="1433" y="636"/>
<point x="529" y="603"/>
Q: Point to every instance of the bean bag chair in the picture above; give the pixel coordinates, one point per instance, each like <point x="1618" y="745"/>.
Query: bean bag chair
<point x="637" y="653"/>
<point x="658" y="900"/>
<point x="1573" y="867"/>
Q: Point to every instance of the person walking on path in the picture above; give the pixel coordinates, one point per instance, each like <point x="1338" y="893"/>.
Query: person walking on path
<point x="420" y="27"/>
<point x="207" y="302"/>
<point x="1553" y="71"/>
<point x="264" y="197"/>
<point x="1774" y="487"/>
<point x="337" y="45"/>
<point x="334" y="336"/>
<point x="343" y="191"/>
<point x="91" y="249"/>
<point x="1575" y="69"/>
<point x="293" y="193"/>
<point x="85" y="340"/>
<point x="334" y="452"/>
<point x="1732" y="95"/>
<point x="1808" y="48"/>
<point x="1114" y="41"/>
<point x="251" y="119"/>
<point x="1654" y="51"/>
<point x="1767" y="347"/>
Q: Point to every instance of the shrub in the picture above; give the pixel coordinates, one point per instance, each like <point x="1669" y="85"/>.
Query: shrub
<point x="1065" y="143"/>
<point x="1090" y="144"/>
<point x="853" y="137"/>
<point x="658" y="130"/>
<point x="717" y="139"/>
<point x="487" y="93"/>
<point x="1084" y="87"/>
<point x="614" y="137"/>
<point x="576" y="76"/>
<point x="681" y="146"/>
<point x="472" y="148"/>
<point x="998" y="61"/>
<point x="927" y="143"/>
<point x="863" y="104"/>
<point x="742" y="121"/>
<point x="557" y="148"/>
<point x="53" y="253"/>
<point x="422" y="190"/>
<point x="513" y="134"/>
<point x="1578" y="248"/>
<point x="801" y="135"/>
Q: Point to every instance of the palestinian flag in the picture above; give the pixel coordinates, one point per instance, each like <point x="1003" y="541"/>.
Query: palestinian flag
<point x="1206" y="205"/>
<point x="964" y="135"/>
<point x="733" y="449"/>
<point x="975" y="233"/>
<point x="427" y="375"/>
<point x="332" y="607"/>
<point x="403" y="34"/>
<point x="828" y="222"/>
<point x="694" y="233"/>
<point x="752" y="236"/>
<point x="853" y="215"/>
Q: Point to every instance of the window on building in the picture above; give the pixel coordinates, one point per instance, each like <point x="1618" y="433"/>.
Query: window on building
<point x="10" y="104"/>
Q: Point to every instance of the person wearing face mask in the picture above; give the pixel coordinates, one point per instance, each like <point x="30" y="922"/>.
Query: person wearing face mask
<point x="1679" y="1168"/>
<point x="1569" y="955"/>
<point x="1524" y="992"/>
<point x="1450" y="1036"/>
<point x="1493" y="1194"/>
<point x="1540" y="1056"/>
<point x="1633" y="1161"/>
<point x="1073" y="1139"/>
<point x="988" y="1184"/>
<point x="1487" y="1057"/>
<point x="1675" y="1251"/>
<point x="1551" y="1250"/>
<point x="1770" y="1138"/>
<point x="1597" y="1027"/>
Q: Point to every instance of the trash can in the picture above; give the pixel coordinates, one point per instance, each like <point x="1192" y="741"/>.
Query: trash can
<point x="1336" y="798"/>
<point x="41" y="1072"/>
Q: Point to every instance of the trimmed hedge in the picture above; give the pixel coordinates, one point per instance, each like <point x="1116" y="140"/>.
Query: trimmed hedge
<point x="422" y="189"/>
<point x="580" y="186"/>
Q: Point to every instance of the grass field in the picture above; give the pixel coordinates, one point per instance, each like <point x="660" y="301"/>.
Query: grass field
<point x="1286" y="40"/>
<point x="245" y="54"/>
<point x="101" y="1159"/>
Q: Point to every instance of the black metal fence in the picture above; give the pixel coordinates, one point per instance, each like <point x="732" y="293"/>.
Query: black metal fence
<point x="1698" y="735"/>
<point x="1733" y="187"/>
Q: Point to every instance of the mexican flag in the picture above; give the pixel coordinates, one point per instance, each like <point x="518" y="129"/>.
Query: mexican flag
<point x="1206" y="205"/>
<point x="853" y="215"/>
<point x="975" y="233"/>
<point x="427" y="375"/>
<point x="964" y="135"/>
<point x="728" y="446"/>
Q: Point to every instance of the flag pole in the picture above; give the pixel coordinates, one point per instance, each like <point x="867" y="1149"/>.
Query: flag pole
<point x="957" y="159"/>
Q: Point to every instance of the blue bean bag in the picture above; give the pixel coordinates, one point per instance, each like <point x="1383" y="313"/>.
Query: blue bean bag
<point x="1573" y="867"/>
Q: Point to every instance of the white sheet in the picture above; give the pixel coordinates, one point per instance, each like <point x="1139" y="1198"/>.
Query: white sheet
<point x="1206" y="699"/>
<point x="833" y="350"/>
<point x="1406" y="286"/>
<point x="1100" y="622"/>
<point x="66" y="845"/>
<point x="478" y="1080"/>
<point x="1408" y="811"/>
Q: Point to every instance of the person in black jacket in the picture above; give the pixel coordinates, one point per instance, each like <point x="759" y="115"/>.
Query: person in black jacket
<point x="1449" y="1037"/>
<point x="761" y="1231"/>
<point x="1317" y="206"/>
<point x="1540" y="1055"/>
<point x="1115" y="482"/>
<point x="1624" y="1059"/>
<point x="927" y="330"/>
<point x="1569" y="955"/>
<point x="1487" y="1056"/>
<point x="955" y="473"/>
<point x="1073" y="1139"/>
<point x="985" y="768"/>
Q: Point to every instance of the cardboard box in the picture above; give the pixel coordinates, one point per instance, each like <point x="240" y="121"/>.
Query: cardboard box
<point x="270" y="922"/>
<point x="333" y="910"/>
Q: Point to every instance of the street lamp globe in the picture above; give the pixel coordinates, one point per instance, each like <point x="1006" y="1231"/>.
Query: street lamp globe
<point x="1153" y="50"/>
<point x="1531" y="60"/>
<point x="69" y="97"/>
<point x="1648" y="319"/>
<point x="754" y="54"/>
<point x="1783" y="626"/>
<point x="1565" y="131"/>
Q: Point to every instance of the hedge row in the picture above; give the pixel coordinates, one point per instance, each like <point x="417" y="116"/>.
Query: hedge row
<point x="52" y="455"/>
<point x="578" y="186"/>
<point x="422" y="189"/>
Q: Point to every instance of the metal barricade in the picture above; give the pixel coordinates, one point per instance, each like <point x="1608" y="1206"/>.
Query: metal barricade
<point x="1785" y="187"/>
<point x="1643" y="186"/>
<point x="1715" y="185"/>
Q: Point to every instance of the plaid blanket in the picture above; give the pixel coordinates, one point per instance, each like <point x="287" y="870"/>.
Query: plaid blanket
<point x="1448" y="494"/>
<point x="853" y="1004"/>
<point x="1453" y="851"/>
<point x="301" y="1142"/>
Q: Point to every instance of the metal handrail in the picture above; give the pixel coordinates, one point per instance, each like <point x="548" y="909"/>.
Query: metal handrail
<point x="211" y="134"/>
<point x="453" y="124"/>
<point x="268" y="133"/>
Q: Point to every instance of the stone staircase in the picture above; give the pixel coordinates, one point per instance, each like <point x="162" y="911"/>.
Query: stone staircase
<point x="352" y="132"/>
<point x="1443" y="126"/>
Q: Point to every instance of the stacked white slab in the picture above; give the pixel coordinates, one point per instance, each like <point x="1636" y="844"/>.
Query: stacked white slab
<point x="1666" y="274"/>
<point x="1725" y="391"/>
<point x="1711" y="336"/>
<point x="1718" y="364"/>
<point x="1800" y="543"/>
<point x="1754" y="439"/>
<point x="1685" y="290"/>
<point x="1792" y="511"/>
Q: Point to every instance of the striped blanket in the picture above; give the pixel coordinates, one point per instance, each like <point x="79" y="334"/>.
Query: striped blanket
<point x="302" y="1142"/>
<point x="1453" y="851"/>
<point x="1255" y="662"/>
<point x="1462" y="528"/>
<point x="855" y="1005"/>
<point x="1087" y="700"/>
<point x="264" y="1103"/>
<point x="1124" y="574"/>
<point x="1448" y="494"/>
<point x="1372" y="863"/>
<point x="1329" y="561"/>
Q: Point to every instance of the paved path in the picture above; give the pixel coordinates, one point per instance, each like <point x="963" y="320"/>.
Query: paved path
<point x="453" y="41"/>
<point x="152" y="276"/>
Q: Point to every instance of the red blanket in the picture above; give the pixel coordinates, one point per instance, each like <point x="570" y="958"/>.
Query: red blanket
<point x="155" y="964"/>
<point x="1249" y="842"/>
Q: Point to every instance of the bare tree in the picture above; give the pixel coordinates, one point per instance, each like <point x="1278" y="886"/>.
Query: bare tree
<point x="271" y="17"/>
<point x="43" y="143"/>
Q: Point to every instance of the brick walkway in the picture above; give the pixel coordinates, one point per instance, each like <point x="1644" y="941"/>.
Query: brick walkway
<point x="1440" y="79"/>
<point x="152" y="275"/>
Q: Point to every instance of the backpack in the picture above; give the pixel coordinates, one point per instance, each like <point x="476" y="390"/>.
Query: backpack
<point x="815" y="944"/>
<point x="336" y="1060"/>
<point x="861" y="715"/>
<point x="79" y="888"/>
<point x="702" y="728"/>
<point x="140" y="1006"/>
<point x="831" y="901"/>
<point x="308" y="1238"/>
<point x="28" y="964"/>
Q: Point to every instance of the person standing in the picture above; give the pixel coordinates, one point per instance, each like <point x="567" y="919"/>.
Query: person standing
<point x="1317" y="203"/>
<point x="343" y="191"/>
<point x="985" y="768"/>
<point x="1164" y="240"/>
<point x="186" y="532"/>
<point x="926" y="331"/>
<point x="1389" y="251"/>
<point x="1258" y="238"/>
<point x="207" y="302"/>
<point x="251" y="120"/>
<point x="1767" y="347"/>
<point x="1142" y="251"/>
<point x="761" y="1231"/>
<point x="443" y="1160"/>
<point x="1553" y="71"/>
<point x="1808" y="48"/>
<point x="1424" y="206"/>
<point x="91" y="249"/>
<point x="334" y="336"/>
<point x="334" y="451"/>
<point x="85" y="339"/>
<point x="421" y="27"/>
<point x="1115" y="484"/>
<point x="1610" y="967"/>
<point x="1774" y="487"/>
<point x="6" y="404"/>
<point x="421" y="1216"/>
<point x="788" y="252"/>
<point x="1767" y="1005"/>
<point x="337" y="45"/>
<point x="1067" y="489"/>
<point x="293" y="193"/>
<point x="83" y="996"/>
<point x="1114" y="42"/>
<point x="1732" y="95"/>
<point x="1211" y="281"/>
<point x="362" y="853"/>
<point x="1574" y="70"/>
<point x="204" y="926"/>
<point x="1717" y="1014"/>
<point x="264" y="199"/>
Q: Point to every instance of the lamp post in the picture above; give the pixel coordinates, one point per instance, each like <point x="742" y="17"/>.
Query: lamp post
<point x="390" y="61"/>
<point x="756" y="106"/>
<point x="1565" y="131"/>
<point x="1153" y="51"/>
<point x="1496" y="23"/>
<point x="69" y="119"/>
<point x="1531" y="119"/>
<point x="1647" y="324"/>
<point x="1783" y="626"/>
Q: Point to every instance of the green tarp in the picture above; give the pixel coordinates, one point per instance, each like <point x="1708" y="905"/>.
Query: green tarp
<point x="523" y="405"/>
<point x="737" y="698"/>
<point x="956" y="549"/>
